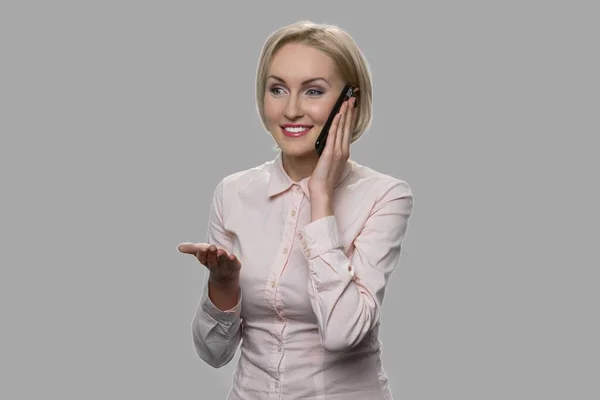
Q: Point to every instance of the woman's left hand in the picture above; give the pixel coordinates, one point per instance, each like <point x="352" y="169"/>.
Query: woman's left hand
<point x="335" y="154"/>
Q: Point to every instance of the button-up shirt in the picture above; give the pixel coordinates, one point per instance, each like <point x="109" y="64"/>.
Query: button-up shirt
<point x="311" y="292"/>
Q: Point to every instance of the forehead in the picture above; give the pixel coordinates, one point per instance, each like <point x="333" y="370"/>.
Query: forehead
<point x="295" y="62"/>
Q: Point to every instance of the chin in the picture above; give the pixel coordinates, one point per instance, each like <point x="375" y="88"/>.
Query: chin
<point x="300" y="147"/>
<point x="297" y="150"/>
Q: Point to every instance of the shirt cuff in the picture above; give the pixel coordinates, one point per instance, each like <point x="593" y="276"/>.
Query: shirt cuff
<point x="320" y="236"/>
<point x="228" y="317"/>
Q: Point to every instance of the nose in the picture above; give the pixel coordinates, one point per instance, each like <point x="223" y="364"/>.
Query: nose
<point x="292" y="109"/>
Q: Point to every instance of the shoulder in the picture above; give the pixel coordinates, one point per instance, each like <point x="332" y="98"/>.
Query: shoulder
<point x="237" y="182"/>
<point x="382" y="186"/>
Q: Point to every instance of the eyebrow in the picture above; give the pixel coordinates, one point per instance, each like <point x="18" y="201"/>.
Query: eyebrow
<point x="305" y="82"/>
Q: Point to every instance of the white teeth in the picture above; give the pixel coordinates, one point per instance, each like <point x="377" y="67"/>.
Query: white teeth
<point x="296" y="130"/>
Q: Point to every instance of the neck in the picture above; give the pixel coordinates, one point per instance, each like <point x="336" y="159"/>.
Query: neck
<point x="299" y="168"/>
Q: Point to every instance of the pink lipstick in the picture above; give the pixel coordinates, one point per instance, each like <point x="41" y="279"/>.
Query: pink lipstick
<point x="295" y="130"/>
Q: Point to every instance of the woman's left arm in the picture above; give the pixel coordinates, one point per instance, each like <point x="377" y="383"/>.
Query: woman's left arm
<point x="346" y="293"/>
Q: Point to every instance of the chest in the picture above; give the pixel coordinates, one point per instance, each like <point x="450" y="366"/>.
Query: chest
<point x="275" y="273"/>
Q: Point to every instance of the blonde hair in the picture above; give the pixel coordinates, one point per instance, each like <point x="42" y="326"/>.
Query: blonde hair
<point x="339" y="45"/>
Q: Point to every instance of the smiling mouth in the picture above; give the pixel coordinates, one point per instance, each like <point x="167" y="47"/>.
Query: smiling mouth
<point x="295" y="131"/>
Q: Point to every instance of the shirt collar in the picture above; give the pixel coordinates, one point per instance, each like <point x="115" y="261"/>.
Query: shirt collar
<point x="280" y="181"/>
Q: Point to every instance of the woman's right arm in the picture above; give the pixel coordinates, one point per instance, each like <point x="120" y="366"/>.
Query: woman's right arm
<point x="217" y="325"/>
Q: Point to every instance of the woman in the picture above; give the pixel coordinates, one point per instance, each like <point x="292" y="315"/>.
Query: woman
<point x="300" y="248"/>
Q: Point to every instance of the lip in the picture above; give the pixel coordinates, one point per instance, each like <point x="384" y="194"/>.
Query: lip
<point x="295" y="135"/>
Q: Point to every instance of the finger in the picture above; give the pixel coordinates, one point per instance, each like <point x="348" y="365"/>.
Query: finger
<point x="220" y="252"/>
<point x="330" y="144"/>
<point x="342" y="126"/>
<point x="211" y="252"/>
<point x="203" y="255"/>
<point x="223" y="258"/>
<point x="348" y="127"/>
<point x="233" y="262"/>
<point x="211" y="256"/>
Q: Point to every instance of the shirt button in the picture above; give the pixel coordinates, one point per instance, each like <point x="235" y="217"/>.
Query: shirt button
<point x="272" y="283"/>
<point x="285" y="250"/>
<point x="276" y="385"/>
<point x="279" y="349"/>
<point x="293" y="213"/>
<point x="300" y="235"/>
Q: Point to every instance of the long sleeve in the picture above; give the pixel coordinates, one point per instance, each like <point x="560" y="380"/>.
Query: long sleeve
<point x="346" y="293"/>
<point x="216" y="334"/>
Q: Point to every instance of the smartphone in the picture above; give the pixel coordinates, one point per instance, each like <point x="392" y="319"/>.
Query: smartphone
<point x="346" y="94"/>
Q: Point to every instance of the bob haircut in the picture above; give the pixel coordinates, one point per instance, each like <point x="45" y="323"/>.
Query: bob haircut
<point x="339" y="45"/>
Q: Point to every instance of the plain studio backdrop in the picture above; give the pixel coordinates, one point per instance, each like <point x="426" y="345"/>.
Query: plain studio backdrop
<point x="119" y="118"/>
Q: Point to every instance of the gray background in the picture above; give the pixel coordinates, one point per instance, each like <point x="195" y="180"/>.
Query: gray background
<point x="119" y="118"/>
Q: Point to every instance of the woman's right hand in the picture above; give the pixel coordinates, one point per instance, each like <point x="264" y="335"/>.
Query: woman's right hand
<point x="224" y="268"/>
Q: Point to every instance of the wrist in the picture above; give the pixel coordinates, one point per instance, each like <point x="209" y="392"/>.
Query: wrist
<point x="226" y="284"/>
<point x="224" y="296"/>
<point x="321" y="206"/>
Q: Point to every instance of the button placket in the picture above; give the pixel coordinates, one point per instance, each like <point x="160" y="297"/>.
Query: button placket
<point x="287" y="240"/>
<point x="292" y="220"/>
<point x="270" y="291"/>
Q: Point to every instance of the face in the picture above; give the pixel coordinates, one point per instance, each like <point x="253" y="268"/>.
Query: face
<point x="301" y="89"/>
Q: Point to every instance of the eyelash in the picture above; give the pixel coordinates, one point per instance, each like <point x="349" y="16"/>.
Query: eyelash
<point x="318" y="92"/>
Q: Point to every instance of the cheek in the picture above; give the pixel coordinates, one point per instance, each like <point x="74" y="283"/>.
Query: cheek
<point x="271" y="110"/>
<point x="319" y="113"/>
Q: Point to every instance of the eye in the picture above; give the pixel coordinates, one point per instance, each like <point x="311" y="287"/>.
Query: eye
<point x="276" y="91"/>
<point x="314" y="92"/>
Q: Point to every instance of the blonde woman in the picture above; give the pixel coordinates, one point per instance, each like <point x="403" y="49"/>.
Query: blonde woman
<point x="300" y="248"/>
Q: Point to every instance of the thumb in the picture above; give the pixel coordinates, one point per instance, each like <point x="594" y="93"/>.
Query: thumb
<point x="191" y="248"/>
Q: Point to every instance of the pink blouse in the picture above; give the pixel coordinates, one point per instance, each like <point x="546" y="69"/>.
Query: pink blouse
<point x="311" y="292"/>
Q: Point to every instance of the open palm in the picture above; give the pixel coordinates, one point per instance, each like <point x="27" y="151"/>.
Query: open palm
<point x="222" y="266"/>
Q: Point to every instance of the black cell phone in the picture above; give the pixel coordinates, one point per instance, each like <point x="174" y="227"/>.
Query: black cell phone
<point x="346" y="94"/>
